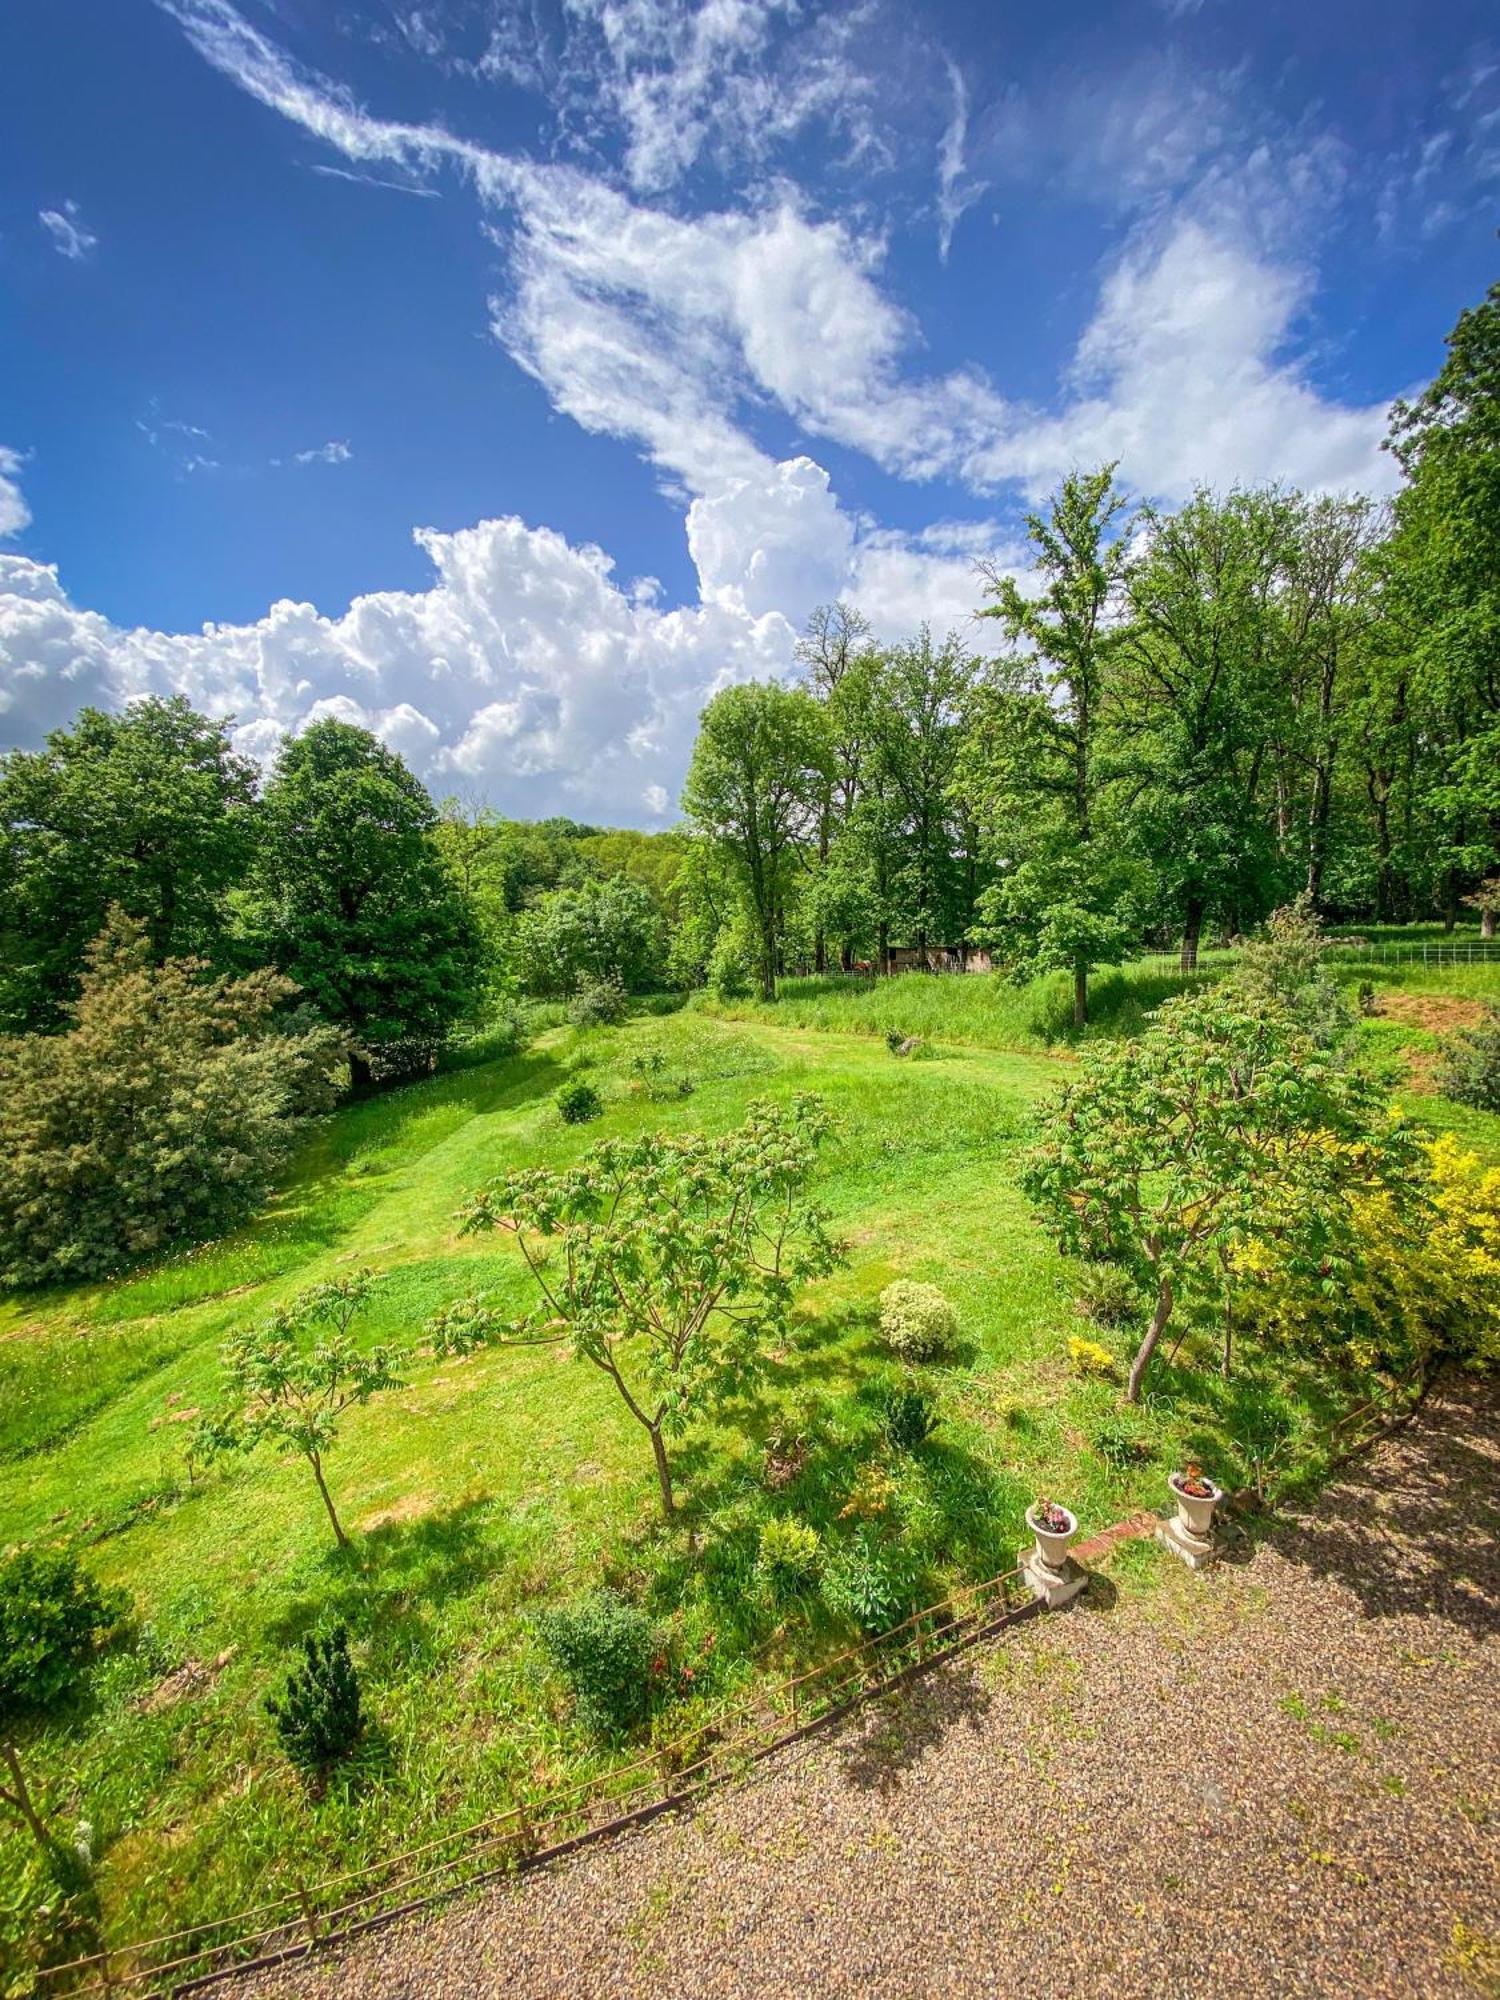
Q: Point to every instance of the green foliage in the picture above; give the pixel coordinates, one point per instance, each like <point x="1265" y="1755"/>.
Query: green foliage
<point x="1108" y="1293"/>
<point x="317" y="1715"/>
<point x="1219" y="1127"/>
<point x="598" y="1003"/>
<point x="788" y="1556"/>
<point x="578" y="1102"/>
<point x="917" y="1321"/>
<point x="161" y="1115"/>
<point x="293" y="1375"/>
<point x="599" y="934"/>
<point x="147" y="811"/>
<point x="1470" y="1071"/>
<point x="604" y="1648"/>
<point x="871" y="1582"/>
<point x="691" y="1248"/>
<point x="52" y="1616"/>
<point x="351" y="898"/>
<point x="731" y="963"/>
<point x="908" y="1415"/>
<point x="1119" y="1440"/>
<point x="1284" y="968"/>
<point x="760" y="769"/>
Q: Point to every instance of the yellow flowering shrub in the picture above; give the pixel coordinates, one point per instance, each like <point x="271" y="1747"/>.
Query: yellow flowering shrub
<point x="1089" y="1357"/>
<point x="1426" y="1281"/>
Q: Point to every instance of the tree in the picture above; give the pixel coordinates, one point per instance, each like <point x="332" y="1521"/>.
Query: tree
<point x="1219" y="1127"/>
<point x="671" y="1264"/>
<point x="917" y="709"/>
<point x="1032" y="770"/>
<point x="1444" y="594"/>
<point x="1196" y="676"/>
<point x="599" y="931"/>
<point x="52" y="1616"/>
<point x="294" y="1375"/>
<point x="756" y="785"/>
<point x="160" y="1115"/>
<point x="835" y="642"/>
<point x="149" y="811"/>
<point x="352" y="900"/>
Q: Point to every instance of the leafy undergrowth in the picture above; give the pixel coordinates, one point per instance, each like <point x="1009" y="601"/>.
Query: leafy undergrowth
<point x="514" y="1480"/>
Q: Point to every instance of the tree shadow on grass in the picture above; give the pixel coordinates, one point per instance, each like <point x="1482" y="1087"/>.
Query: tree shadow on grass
<point x="383" y="1587"/>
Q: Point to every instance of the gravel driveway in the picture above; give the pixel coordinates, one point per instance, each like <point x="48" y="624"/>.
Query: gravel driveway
<point x="1279" y="1778"/>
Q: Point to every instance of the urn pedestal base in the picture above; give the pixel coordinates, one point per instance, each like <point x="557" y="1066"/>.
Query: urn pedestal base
<point x="1197" y="1551"/>
<point x="1055" y="1587"/>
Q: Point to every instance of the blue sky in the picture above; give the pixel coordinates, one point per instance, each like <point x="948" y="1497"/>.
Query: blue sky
<point x="508" y="374"/>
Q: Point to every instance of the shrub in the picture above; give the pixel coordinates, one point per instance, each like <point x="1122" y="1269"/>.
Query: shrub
<point x="917" y="1321"/>
<point x="868" y="1583"/>
<point x="52" y="1614"/>
<point x="655" y="1076"/>
<point x="598" y="1003"/>
<point x="730" y="965"/>
<point x="603" y="1648"/>
<point x="1470" y="1072"/>
<point x="1089" y="1358"/>
<point x="1368" y="999"/>
<point x="1108" y="1294"/>
<point x="161" y="1115"/>
<point x="317" y="1715"/>
<point x="578" y="1102"/>
<point x="908" y="1416"/>
<point x="788" y="1555"/>
<point x="1118" y="1441"/>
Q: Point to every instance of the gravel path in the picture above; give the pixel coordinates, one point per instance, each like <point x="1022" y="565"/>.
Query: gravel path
<point x="1280" y="1778"/>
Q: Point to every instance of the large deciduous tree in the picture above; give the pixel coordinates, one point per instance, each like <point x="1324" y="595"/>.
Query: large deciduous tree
<point x="757" y="787"/>
<point x="353" y="901"/>
<point x="1033" y="770"/>
<point x="148" y="811"/>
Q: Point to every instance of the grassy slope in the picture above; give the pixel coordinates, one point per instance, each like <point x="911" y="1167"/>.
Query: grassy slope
<point x="516" y="1479"/>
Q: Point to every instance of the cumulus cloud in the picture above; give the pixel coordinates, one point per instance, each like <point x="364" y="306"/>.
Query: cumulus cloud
<point x="335" y="452"/>
<point x="14" y="513"/>
<point x="65" y="226"/>
<point x="525" y="671"/>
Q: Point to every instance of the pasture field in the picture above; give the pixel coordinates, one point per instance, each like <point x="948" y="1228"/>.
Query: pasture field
<point x="514" y="1480"/>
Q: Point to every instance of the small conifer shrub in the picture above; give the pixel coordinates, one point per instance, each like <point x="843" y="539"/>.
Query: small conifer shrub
<point x="318" y="1716"/>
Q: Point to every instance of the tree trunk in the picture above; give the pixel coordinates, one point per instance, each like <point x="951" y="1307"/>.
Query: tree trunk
<point x="1147" y="1347"/>
<point x="1080" y="995"/>
<point x="317" y="1468"/>
<point x="663" y="1471"/>
<point x="20" y="1797"/>
<point x="1487" y="922"/>
<point x="883" y="949"/>
<point x="1450" y="901"/>
<point x="1192" y="932"/>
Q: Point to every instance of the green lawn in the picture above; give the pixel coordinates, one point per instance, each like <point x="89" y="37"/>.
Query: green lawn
<point x="515" y="1479"/>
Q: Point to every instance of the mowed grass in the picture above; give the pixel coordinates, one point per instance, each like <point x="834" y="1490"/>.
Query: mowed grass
<point x="515" y="1480"/>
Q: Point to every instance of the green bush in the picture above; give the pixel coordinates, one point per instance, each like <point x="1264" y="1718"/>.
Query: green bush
<point x="730" y="965"/>
<point x="917" y="1321"/>
<point x="603" y="1647"/>
<point x="160" y="1116"/>
<point x="869" y="1584"/>
<point x="1107" y="1293"/>
<point x="1470" y="1072"/>
<point x="578" y="1102"/>
<point x="318" y="1715"/>
<point x="908" y="1416"/>
<point x="789" y="1555"/>
<point x="598" y="1003"/>
<point x="52" y="1615"/>
<point x="1119" y="1442"/>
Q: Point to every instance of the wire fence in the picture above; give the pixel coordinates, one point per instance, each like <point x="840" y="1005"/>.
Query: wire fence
<point x="534" y="1830"/>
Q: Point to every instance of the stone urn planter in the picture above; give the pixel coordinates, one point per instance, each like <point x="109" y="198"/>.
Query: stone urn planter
<point x="1190" y="1533"/>
<point x="1047" y="1566"/>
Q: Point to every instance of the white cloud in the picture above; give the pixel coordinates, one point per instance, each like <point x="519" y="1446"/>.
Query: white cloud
<point x="955" y="191"/>
<point x="335" y="452"/>
<point x="65" y="226"/>
<point x="525" y="671"/>
<point x="14" y="513"/>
